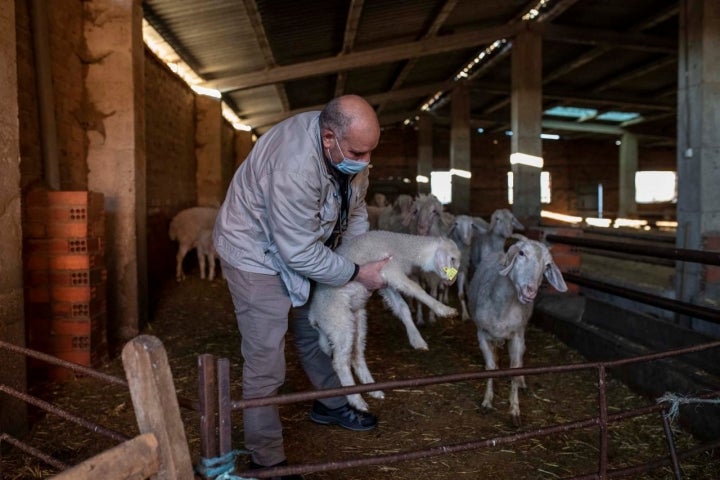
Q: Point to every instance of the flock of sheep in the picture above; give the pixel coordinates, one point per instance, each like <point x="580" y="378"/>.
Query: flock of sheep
<point x="430" y="250"/>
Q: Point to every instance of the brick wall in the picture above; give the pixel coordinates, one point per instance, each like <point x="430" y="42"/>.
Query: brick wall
<point x="576" y="167"/>
<point x="171" y="163"/>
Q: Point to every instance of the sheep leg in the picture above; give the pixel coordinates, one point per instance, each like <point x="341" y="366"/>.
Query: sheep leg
<point x="516" y="349"/>
<point x="400" y="308"/>
<point x="419" y="319"/>
<point x="489" y="355"/>
<point x="182" y="251"/>
<point x="201" y="262"/>
<point x="402" y="283"/>
<point x="341" y="339"/>
<point x="211" y="265"/>
<point x="434" y="293"/>
<point x="359" y="363"/>
<point x="461" y="295"/>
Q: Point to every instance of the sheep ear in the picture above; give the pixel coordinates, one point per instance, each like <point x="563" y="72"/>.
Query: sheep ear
<point x="516" y="223"/>
<point x="510" y="257"/>
<point x="554" y="276"/>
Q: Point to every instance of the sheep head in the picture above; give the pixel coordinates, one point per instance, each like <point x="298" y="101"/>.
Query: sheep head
<point x="525" y="264"/>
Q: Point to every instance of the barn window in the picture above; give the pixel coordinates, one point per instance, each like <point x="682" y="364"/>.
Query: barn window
<point x="655" y="187"/>
<point x="545" y="196"/>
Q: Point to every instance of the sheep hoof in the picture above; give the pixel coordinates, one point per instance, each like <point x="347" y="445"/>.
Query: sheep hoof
<point x="378" y="394"/>
<point x="447" y="312"/>
<point x="516" y="420"/>
<point x="419" y="344"/>
<point x="486" y="407"/>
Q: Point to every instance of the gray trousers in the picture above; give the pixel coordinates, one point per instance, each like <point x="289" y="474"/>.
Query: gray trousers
<point x="262" y="306"/>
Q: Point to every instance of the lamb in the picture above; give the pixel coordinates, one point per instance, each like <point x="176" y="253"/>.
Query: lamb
<point x="501" y="298"/>
<point x="462" y="232"/>
<point x="185" y="228"/>
<point x="339" y="313"/>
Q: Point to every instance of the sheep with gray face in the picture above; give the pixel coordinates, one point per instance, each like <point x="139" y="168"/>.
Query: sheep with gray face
<point x="501" y="298"/>
<point x="339" y="313"/>
<point x="502" y="224"/>
<point x="185" y="228"/>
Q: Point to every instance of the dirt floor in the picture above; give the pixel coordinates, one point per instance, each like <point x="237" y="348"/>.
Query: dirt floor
<point x="196" y="317"/>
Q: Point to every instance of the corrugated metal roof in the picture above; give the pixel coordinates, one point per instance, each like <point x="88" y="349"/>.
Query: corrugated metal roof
<point x="275" y="57"/>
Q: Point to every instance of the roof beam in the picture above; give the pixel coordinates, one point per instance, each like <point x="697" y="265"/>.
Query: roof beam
<point x="592" y="36"/>
<point x="256" y="21"/>
<point x="431" y="46"/>
<point x="351" y="27"/>
<point x="380" y="98"/>
<point x="440" y="18"/>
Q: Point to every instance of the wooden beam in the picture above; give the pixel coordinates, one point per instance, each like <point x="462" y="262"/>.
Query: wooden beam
<point x="386" y="97"/>
<point x="351" y="27"/>
<point x="367" y="58"/>
<point x="137" y="458"/>
<point x="155" y="403"/>
<point x="593" y="36"/>
<point x="256" y="22"/>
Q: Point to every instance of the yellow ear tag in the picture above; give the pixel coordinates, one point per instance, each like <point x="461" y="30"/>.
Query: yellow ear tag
<point x="450" y="272"/>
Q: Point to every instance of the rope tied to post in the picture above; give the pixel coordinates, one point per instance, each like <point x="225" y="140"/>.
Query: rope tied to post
<point x="222" y="467"/>
<point x="676" y="400"/>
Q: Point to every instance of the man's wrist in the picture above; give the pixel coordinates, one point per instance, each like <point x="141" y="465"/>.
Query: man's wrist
<point x="355" y="273"/>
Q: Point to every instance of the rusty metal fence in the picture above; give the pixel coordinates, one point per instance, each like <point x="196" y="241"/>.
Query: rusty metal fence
<point x="216" y="407"/>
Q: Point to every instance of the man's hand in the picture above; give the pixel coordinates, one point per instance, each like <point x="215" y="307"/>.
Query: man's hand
<point x="369" y="274"/>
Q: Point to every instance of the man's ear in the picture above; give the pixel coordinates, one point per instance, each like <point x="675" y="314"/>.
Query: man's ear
<point x="328" y="137"/>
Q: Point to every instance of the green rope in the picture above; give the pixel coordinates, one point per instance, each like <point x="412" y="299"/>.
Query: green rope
<point x="676" y="400"/>
<point x="222" y="467"/>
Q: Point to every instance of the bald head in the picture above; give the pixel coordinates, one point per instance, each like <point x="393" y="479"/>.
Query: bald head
<point x="350" y="121"/>
<point x="349" y="112"/>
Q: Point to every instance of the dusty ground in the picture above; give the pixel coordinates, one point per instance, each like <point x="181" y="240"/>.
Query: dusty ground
<point x="196" y="317"/>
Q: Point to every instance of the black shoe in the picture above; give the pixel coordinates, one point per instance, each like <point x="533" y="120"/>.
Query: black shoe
<point x="255" y="466"/>
<point x="345" y="416"/>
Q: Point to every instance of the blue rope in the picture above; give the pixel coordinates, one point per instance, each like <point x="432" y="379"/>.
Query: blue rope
<point x="676" y="400"/>
<point x="222" y="467"/>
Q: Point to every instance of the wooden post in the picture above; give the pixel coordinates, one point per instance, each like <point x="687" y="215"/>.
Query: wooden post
<point x="156" y="405"/>
<point x="137" y="458"/>
<point x="224" y="406"/>
<point x="208" y="405"/>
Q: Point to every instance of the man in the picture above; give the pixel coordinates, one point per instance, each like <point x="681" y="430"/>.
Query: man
<point x="300" y="191"/>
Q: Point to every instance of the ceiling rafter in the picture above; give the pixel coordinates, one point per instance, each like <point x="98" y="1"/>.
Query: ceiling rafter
<point x="351" y="28"/>
<point x="438" y="22"/>
<point x="366" y="58"/>
<point x="256" y="21"/>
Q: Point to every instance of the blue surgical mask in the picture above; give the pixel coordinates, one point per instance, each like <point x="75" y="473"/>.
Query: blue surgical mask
<point x="348" y="165"/>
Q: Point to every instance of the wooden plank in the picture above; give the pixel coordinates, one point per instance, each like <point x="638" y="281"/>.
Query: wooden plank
<point x="224" y="406"/>
<point x="135" y="459"/>
<point x="156" y="405"/>
<point x="208" y="405"/>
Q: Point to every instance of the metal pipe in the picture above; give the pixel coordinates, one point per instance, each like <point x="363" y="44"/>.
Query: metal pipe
<point x="682" y="254"/>
<point x="696" y="311"/>
<point x="45" y="95"/>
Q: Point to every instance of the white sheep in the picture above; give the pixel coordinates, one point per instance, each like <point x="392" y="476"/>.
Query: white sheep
<point x="206" y="254"/>
<point x="501" y="298"/>
<point x="339" y="314"/>
<point x="463" y="230"/>
<point x="398" y="217"/>
<point x="185" y="228"/>
<point x="502" y="223"/>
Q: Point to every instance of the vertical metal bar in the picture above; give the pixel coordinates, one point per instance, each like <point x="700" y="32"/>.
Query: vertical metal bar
<point x="224" y="406"/>
<point x="208" y="405"/>
<point x="602" y="400"/>
<point x="671" y="446"/>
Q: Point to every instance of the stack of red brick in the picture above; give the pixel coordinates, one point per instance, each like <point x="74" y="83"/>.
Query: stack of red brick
<point x="65" y="279"/>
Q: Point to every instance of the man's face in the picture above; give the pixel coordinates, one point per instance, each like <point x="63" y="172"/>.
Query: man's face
<point x="357" y="144"/>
